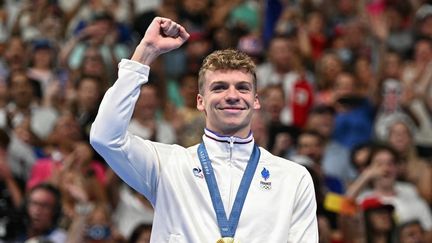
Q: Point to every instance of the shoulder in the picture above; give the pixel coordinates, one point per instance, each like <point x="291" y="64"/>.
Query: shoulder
<point x="165" y="147"/>
<point x="282" y="164"/>
<point x="406" y="189"/>
<point x="334" y="145"/>
<point x="193" y="150"/>
<point x="58" y="235"/>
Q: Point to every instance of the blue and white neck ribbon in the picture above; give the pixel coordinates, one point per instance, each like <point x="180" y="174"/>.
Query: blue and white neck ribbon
<point x="228" y="226"/>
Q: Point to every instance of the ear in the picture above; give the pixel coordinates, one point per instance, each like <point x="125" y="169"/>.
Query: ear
<point x="200" y="102"/>
<point x="256" y="104"/>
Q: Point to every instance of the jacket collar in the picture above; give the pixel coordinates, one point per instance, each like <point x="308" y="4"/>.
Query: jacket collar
<point x="228" y="139"/>
<point x="228" y="148"/>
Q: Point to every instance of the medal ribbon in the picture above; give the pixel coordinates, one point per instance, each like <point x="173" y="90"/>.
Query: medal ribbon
<point x="228" y="227"/>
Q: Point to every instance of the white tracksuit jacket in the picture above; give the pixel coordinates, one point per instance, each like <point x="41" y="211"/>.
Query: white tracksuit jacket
<point x="280" y="208"/>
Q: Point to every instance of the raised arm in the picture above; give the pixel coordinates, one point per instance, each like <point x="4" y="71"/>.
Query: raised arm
<point x="132" y="158"/>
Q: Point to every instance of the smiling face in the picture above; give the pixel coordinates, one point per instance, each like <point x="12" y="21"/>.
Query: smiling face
<point x="385" y="161"/>
<point x="228" y="100"/>
<point x="227" y="92"/>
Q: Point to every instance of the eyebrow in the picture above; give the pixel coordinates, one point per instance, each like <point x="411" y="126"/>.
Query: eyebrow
<point x="217" y="83"/>
<point x="214" y="83"/>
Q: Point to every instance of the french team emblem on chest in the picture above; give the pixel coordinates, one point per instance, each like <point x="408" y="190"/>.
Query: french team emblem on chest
<point x="265" y="183"/>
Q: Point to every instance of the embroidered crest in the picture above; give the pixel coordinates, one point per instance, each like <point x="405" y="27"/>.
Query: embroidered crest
<point x="266" y="185"/>
<point x="265" y="174"/>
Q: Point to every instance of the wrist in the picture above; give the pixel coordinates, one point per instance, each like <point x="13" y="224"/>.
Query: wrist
<point x="84" y="208"/>
<point x="145" y="54"/>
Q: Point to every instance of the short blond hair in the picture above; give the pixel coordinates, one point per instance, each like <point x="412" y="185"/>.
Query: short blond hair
<point x="228" y="59"/>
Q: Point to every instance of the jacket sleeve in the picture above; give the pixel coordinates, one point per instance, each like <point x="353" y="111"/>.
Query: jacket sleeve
<point x="135" y="160"/>
<point x="304" y="225"/>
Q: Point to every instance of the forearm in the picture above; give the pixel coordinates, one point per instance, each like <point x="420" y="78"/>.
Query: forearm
<point x="424" y="184"/>
<point x="357" y="186"/>
<point x="67" y="50"/>
<point x="14" y="191"/>
<point x="76" y="232"/>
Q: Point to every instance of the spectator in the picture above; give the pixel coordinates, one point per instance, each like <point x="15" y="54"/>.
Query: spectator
<point x="281" y="138"/>
<point x="283" y="67"/>
<point x="417" y="73"/>
<point x="84" y="101"/>
<point x="335" y="161"/>
<point x="101" y="34"/>
<point x="14" y="55"/>
<point x="79" y="189"/>
<point x="194" y="14"/>
<point x="66" y="132"/>
<point x="327" y="68"/>
<point x="79" y="158"/>
<point x="34" y="17"/>
<point x="420" y="108"/>
<point x="28" y="123"/>
<point x="411" y="232"/>
<point x="378" y="221"/>
<point x="188" y="121"/>
<point x="42" y="64"/>
<point x="24" y="104"/>
<point x="354" y="113"/>
<point x="364" y="73"/>
<point x="259" y="129"/>
<point x="92" y="65"/>
<point x="381" y="174"/>
<point x="311" y="144"/>
<point x="315" y="28"/>
<point x="141" y="234"/>
<point x="390" y="105"/>
<point x="42" y="212"/>
<point x="391" y="66"/>
<point x="400" y="135"/>
<point x="145" y="122"/>
<point x="92" y="221"/>
<point x="423" y="20"/>
<point x="11" y="196"/>
<point x="359" y="156"/>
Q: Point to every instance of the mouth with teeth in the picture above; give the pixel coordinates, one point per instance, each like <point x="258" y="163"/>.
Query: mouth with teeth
<point x="232" y="109"/>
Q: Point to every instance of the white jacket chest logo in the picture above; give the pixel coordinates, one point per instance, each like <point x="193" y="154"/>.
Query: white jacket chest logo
<point x="265" y="184"/>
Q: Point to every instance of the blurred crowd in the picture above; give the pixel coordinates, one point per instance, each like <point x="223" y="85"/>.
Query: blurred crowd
<point x="345" y="88"/>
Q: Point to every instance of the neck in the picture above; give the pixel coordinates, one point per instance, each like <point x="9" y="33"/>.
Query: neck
<point x="33" y="232"/>
<point x="380" y="238"/>
<point x="41" y="67"/>
<point x="385" y="190"/>
<point x="237" y="133"/>
<point x="282" y="70"/>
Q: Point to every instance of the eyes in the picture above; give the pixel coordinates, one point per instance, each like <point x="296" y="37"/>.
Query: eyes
<point x="242" y="87"/>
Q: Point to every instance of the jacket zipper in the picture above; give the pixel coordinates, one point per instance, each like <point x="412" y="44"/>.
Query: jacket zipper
<point x="231" y="142"/>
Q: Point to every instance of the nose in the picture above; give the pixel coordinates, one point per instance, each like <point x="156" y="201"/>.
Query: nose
<point x="232" y="95"/>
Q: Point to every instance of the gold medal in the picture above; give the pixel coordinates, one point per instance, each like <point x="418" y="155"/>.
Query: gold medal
<point x="227" y="240"/>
